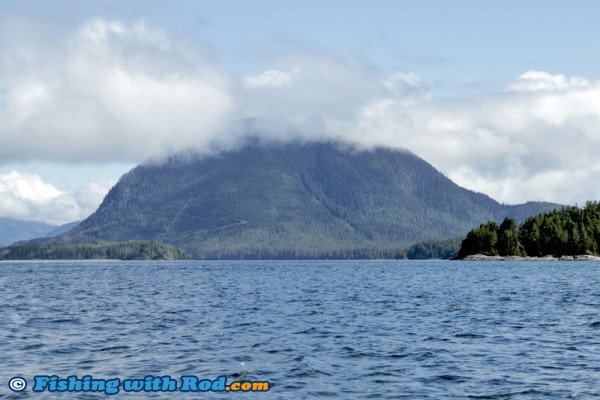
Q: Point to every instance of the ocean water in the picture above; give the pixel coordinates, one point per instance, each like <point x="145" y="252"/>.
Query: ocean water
<point x="313" y="329"/>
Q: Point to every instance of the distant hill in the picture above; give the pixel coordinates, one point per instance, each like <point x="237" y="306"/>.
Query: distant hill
<point x="296" y="200"/>
<point x="14" y="230"/>
<point x="98" y="250"/>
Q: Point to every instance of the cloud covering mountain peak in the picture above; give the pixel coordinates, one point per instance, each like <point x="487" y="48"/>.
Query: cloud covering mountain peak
<point x="129" y="91"/>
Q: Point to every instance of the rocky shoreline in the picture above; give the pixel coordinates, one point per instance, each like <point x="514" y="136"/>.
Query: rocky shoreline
<point x="481" y="257"/>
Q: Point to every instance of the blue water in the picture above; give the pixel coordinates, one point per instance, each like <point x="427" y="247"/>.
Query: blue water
<point x="314" y="329"/>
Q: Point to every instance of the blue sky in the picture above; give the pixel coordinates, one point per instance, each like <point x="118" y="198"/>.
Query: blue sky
<point x="498" y="95"/>
<point x="479" y="43"/>
<point x="489" y="41"/>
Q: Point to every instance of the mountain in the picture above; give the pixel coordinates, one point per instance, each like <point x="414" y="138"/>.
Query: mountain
<point x="14" y="230"/>
<point x="61" y="229"/>
<point x="315" y="200"/>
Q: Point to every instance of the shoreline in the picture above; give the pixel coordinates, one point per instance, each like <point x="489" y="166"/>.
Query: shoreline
<point x="481" y="257"/>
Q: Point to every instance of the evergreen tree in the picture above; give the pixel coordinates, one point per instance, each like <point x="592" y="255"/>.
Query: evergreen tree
<point x="481" y="241"/>
<point x="569" y="231"/>
<point x="508" y="239"/>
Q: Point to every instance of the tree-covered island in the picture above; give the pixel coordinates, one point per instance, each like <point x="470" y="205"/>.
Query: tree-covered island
<point x="569" y="231"/>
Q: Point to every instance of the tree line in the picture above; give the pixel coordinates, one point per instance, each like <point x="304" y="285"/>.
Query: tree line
<point x="432" y="249"/>
<point x="568" y="231"/>
<point x="131" y="250"/>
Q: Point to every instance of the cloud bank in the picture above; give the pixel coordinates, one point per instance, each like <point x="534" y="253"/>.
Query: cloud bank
<point x="111" y="91"/>
<point x="117" y="91"/>
<point x="28" y="197"/>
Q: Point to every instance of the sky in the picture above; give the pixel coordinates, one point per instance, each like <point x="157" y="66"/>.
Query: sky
<point x="503" y="97"/>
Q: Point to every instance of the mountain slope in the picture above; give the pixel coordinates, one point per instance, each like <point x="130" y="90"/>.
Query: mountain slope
<point x="62" y="229"/>
<point x="290" y="201"/>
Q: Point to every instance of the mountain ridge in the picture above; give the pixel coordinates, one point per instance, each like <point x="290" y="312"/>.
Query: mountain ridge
<point x="13" y="230"/>
<point x="295" y="200"/>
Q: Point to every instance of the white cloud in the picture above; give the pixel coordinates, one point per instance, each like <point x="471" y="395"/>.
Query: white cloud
<point x="535" y="143"/>
<point x="28" y="197"/>
<point x="112" y="91"/>
<point x="323" y="91"/>
<point x="536" y="140"/>
<point x="129" y="91"/>
<point x="532" y="81"/>
<point x="90" y="195"/>
<point x="270" y="78"/>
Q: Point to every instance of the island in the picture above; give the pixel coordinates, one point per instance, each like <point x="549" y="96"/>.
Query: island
<point x="571" y="233"/>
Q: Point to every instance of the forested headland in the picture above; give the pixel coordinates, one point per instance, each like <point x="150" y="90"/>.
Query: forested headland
<point x="131" y="250"/>
<point x="565" y="232"/>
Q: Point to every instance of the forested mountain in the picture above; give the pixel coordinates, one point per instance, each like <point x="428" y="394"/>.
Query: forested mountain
<point x="314" y="200"/>
<point x="61" y="229"/>
<point x="568" y="231"/>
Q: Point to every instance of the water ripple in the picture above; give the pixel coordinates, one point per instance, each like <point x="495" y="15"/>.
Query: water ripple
<point x="319" y="329"/>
